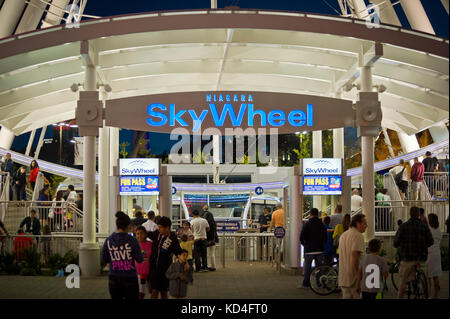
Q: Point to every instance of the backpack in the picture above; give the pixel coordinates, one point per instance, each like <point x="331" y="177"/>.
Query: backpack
<point x="399" y="177"/>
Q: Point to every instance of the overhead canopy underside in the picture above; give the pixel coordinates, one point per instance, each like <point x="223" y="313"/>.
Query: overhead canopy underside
<point x="227" y="51"/>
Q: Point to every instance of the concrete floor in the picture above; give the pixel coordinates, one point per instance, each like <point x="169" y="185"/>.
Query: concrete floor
<point x="239" y="280"/>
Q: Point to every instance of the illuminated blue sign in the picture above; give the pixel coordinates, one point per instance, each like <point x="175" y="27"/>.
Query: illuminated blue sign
<point x="139" y="185"/>
<point x="161" y="115"/>
<point x="322" y="185"/>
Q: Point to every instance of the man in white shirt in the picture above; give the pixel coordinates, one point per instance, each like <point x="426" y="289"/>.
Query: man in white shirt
<point x="336" y="218"/>
<point x="73" y="196"/>
<point x="356" y="200"/>
<point x="351" y="248"/>
<point x="150" y="224"/>
<point x="199" y="227"/>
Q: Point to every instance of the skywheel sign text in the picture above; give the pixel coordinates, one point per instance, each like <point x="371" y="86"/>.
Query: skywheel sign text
<point x="237" y="108"/>
<point x="138" y="166"/>
<point x="277" y="113"/>
<point x="322" y="166"/>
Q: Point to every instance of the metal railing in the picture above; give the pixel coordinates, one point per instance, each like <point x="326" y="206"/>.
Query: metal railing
<point x="59" y="216"/>
<point x="437" y="184"/>
<point x="387" y="213"/>
<point x="246" y="247"/>
<point x="44" y="244"/>
<point x="4" y="193"/>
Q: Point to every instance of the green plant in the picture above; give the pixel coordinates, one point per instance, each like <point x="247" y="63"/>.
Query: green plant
<point x="70" y="258"/>
<point x="379" y="181"/>
<point x="55" y="262"/>
<point x="55" y="180"/>
<point x="8" y="263"/>
<point x="444" y="258"/>
<point x="31" y="259"/>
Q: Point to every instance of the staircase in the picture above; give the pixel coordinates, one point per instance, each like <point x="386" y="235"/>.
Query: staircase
<point x="13" y="217"/>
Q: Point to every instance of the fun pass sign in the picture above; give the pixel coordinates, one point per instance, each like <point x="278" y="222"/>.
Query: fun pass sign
<point x="194" y="111"/>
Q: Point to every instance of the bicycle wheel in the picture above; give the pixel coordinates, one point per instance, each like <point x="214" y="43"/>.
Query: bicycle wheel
<point x="323" y="280"/>
<point x="421" y="286"/>
<point x="394" y="276"/>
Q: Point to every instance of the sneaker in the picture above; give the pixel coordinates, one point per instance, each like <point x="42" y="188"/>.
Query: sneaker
<point x="300" y="286"/>
<point x="205" y="270"/>
<point x="212" y="269"/>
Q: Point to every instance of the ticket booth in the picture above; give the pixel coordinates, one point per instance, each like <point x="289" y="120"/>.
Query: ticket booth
<point x="139" y="185"/>
<point x="325" y="177"/>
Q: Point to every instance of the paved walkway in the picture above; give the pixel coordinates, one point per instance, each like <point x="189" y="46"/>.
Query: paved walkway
<point x="239" y="280"/>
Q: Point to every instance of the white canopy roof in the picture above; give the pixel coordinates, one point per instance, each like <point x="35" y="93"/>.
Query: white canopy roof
<point x="227" y="50"/>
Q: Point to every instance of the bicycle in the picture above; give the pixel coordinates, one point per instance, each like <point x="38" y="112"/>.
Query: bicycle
<point x="418" y="287"/>
<point x="324" y="279"/>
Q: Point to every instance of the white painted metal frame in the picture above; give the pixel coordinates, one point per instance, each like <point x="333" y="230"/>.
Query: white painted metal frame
<point x="34" y="86"/>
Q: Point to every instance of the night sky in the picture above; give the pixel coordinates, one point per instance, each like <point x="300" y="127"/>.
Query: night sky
<point x="104" y="8"/>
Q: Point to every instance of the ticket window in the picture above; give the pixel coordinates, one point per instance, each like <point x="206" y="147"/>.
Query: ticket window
<point x="131" y="204"/>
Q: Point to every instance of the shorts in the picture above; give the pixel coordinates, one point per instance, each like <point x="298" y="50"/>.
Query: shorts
<point x="415" y="186"/>
<point x="144" y="285"/>
<point x="159" y="282"/>
<point x="403" y="186"/>
<point x="406" y="271"/>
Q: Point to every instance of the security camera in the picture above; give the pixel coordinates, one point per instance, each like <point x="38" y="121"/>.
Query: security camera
<point x="380" y="88"/>
<point x="108" y="88"/>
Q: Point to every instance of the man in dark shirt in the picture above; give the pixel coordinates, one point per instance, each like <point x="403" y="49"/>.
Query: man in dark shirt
<point x="413" y="238"/>
<point x="313" y="238"/>
<point x="429" y="163"/>
<point x="264" y="220"/>
<point x="165" y="244"/>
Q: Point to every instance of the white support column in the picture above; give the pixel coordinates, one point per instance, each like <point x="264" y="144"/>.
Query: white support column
<point x="40" y="143"/>
<point x="216" y="159"/>
<point x="295" y="219"/>
<point x="409" y="143"/>
<point x="388" y="142"/>
<point x="6" y="137"/>
<point x="30" y="143"/>
<point x="417" y="16"/>
<point x="360" y="9"/>
<point x="439" y="132"/>
<point x="317" y="153"/>
<point x="55" y="13"/>
<point x="103" y="179"/>
<point x="387" y="12"/>
<point x="31" y="17"/>
<point x="165" y="193"/>
<point x="213" y="4"/>
<point x="368" y="158"/>
<point x="9" y="16"/>
<point x="338" y="136"/>
<point x="89" y="252"/>
<point x="113" y="149"/>
<point x="89" y="170"/>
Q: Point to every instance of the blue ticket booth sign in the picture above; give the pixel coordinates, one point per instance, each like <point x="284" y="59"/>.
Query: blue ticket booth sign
<point x="139" y="185"/>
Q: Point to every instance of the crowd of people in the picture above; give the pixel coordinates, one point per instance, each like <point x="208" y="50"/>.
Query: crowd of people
<point x="341" y="237"/>
<point x="144" y="255"/>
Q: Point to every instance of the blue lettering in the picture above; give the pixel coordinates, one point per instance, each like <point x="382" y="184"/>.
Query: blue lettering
<point x="197" y="121"/>
<point x="176" y="117"/>
<point x="309" y="117"/>
<point x="297" y="115"/>
<point x="228" y="98"/>
<point x="252" y="113"/>
<point x="159" y="115"/>
<point x="220" y="98"/>
<point x="242" y="97"/>
<point x="276" y="116"/>
<point x="235" y="98"/>
<point x="227" y="108"/>
<point x="250" y="98"/>
<point x="208" y="97"/>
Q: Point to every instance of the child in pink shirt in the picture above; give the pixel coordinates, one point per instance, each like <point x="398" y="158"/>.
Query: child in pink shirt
<point x="143" y="268"/>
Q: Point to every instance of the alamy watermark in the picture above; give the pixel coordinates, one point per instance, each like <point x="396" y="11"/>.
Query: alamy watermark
<point x="73" y="279"/>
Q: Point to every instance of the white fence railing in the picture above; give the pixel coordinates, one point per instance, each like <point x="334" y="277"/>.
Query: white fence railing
<point x="4" y="194"/>
<point x="387" y="213"/>
<point x="59" y="216"/>
<point x="437" y="184"/>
